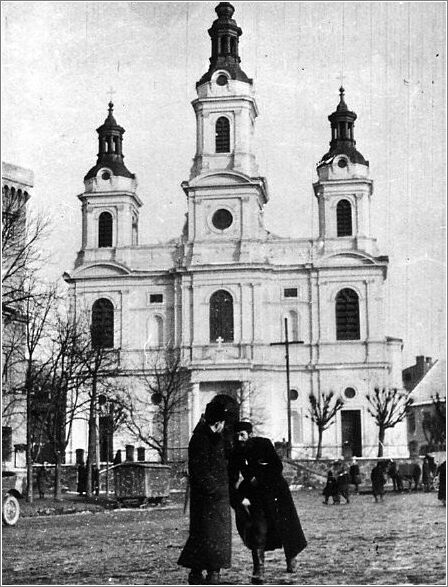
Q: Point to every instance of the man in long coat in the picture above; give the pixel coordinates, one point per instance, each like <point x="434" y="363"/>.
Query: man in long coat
<point x="265" y="514"/>
<point x="209" y="543"/>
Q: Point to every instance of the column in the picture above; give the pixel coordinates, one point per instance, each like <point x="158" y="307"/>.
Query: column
<point x="194" y="406"/>
<point x="245" y="404"/>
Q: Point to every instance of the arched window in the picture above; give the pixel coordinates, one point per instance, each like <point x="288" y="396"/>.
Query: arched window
<point x="344" y="218"/>
<point x="105" y="230"/>
<point x="347" y="315"/>
<point x="221" y="316"/>
<point x="103" y="324"/>
<point x="222" y="136"/>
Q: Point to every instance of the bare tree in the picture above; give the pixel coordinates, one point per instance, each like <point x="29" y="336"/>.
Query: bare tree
<point x="322" y="412"/>
<point x="388" y="407"/>
<point x="100" y="371"/>
<point x="22" y="252"/>
<point x="61" y="394"/>
<point x="36" y="310"/>
<point x="153" y="414"/>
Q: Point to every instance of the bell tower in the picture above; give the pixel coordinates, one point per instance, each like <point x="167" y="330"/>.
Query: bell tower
<point x="225" y="193"/>
<point x="110" y="205"/>
<point x="344" y="188"/>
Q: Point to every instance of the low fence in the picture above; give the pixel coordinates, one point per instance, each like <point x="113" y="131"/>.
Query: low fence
<point x="298" y="472"/>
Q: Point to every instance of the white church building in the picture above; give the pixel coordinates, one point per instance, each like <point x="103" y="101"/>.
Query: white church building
<point x="222" y="290"/>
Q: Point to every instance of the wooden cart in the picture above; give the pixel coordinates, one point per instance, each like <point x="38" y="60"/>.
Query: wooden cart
<point x="137" y="483"/>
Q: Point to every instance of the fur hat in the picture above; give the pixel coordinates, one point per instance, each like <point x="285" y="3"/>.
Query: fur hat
<point x="214" y="412"/>
<point x="243" y="426"/>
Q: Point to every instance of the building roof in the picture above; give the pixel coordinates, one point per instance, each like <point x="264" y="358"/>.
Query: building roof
<point x="433" y="382"/>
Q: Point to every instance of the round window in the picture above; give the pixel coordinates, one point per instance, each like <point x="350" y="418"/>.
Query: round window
<point x="221" y="80"/>
<point x="293" y="394"/>
<point x="156" y="398"/>
<point x="342" y="163"/>
<point x="222" y="219"/>
<point x="105" y="175"/>
<point x="349" y="393"/>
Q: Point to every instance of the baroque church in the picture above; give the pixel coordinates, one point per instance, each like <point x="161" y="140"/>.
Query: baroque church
<point x="227" y="288"/>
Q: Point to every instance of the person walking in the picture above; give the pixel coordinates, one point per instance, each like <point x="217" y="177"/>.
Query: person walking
<point x="208" y="547"/>
<point x="42" y="479"/>
<point x="441" y="472"/>
<point x="342" y="480"/>
<point x="265" y="514"/>
<point x="378" y="481"/>
<point x="355" y="474"/>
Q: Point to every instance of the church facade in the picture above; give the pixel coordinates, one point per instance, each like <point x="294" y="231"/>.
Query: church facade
<point x="225" y="290"/>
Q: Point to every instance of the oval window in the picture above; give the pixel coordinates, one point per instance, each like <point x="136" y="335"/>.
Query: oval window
<point x="222" y="219"/>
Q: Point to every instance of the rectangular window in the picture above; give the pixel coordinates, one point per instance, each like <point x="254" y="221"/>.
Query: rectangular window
<point x="156" y="298"/>
<point x="290" y="292"/>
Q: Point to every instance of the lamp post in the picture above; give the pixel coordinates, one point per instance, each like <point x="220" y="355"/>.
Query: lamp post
<point x="286" y="344"/>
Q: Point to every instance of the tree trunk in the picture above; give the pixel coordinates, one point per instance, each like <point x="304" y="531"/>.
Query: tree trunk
<point x="29" y="455"/>
<point x="381" y="441"/>
<point x="57" y="476"/>
<point x="91" y="452"/>
<point x="319" y="444"/>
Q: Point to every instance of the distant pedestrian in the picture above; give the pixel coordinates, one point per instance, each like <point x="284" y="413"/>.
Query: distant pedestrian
<point x="355" y="474"/>
<point x="209" y="543"/>
<point x="378" y="481"/>
<point x="81" y="486"/>
<point x="426" y="474"/>
<point x="441" y="471"/>
<point x="42" y="479"/>
<point x="331" y="489"/>
<point x="342" y="480"/>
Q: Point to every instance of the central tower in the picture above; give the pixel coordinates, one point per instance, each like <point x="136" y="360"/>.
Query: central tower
<point x="225" y="194"/>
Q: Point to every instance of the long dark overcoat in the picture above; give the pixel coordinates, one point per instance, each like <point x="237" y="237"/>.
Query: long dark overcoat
<point x="209" y="543"/>
<point x="268" y="492"/>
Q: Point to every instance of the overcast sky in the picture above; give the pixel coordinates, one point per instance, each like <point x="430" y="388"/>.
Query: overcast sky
<point x="60" y="60"/>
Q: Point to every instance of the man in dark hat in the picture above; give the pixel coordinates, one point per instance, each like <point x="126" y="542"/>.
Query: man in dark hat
<point x="265" y="514"/>
<point x="209" y="544"/>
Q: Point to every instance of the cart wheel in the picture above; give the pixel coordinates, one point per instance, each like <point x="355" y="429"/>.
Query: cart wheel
<point x="10" y="510"/>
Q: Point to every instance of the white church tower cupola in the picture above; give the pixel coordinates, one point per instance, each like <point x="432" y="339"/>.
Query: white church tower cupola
<point x="110" y="205"/>
<point x="225" y="194"/>
<point x="344" y="188"/>
<point x="225" y="108"/>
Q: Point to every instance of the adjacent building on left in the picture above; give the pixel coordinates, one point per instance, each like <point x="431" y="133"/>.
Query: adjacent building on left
<point x="17" y="183"/>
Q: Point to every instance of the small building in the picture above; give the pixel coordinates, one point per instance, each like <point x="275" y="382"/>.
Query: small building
<point x="16" y="185"/>
<point x="414" y="374"/>
<point x="427" y="415"/>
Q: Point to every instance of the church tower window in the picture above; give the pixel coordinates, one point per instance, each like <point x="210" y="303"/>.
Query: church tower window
<point x="103" y="324"/>
<point x="347" y="315"/>
<point x="344" y="218"/>
<point x="105" y="230"/>
<point x="222" y="135"/>
<point x="221" y="316"/>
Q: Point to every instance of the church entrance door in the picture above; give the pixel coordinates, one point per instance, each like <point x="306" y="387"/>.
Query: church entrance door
<point x="351" y="430"/>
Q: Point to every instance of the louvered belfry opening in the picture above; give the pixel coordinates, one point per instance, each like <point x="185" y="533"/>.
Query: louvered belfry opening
<point x="222" y="135"/>
<point x="105" y="230"/>
<point x="344" y="218"/>
<point x="103" y="324"/>
<point x="347" y="315"/>
<point x="221" y="316"/>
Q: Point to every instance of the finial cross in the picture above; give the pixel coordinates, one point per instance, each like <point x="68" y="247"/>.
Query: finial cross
<point x="219" y="340"/>
<point x="111" y="92"/>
